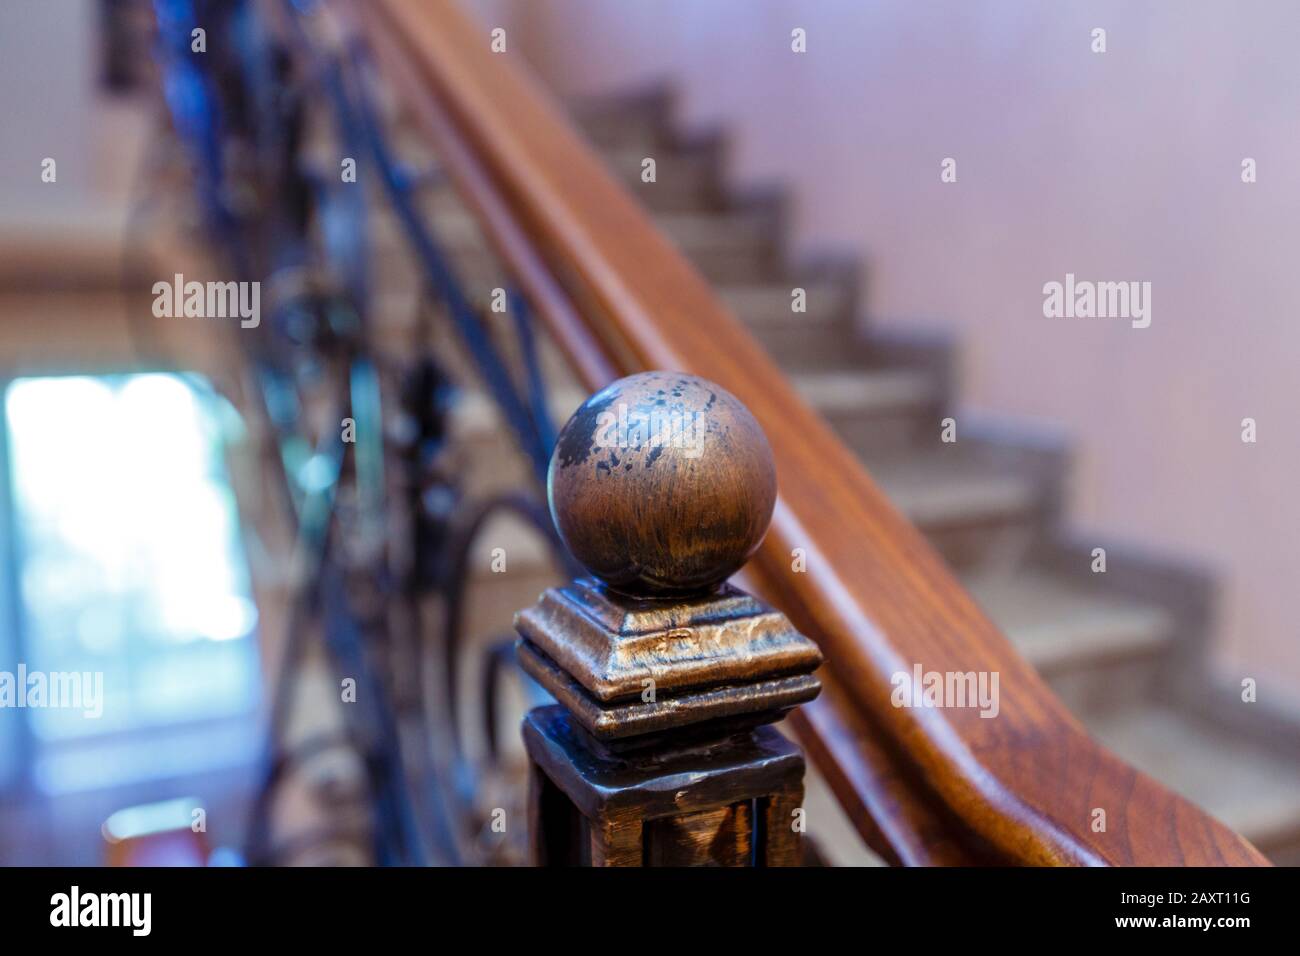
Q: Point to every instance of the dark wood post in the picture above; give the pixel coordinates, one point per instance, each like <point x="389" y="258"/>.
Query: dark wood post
<point x="659" y="752"/>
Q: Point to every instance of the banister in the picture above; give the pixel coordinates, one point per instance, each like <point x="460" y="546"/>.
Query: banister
<point x="620" y="299"/>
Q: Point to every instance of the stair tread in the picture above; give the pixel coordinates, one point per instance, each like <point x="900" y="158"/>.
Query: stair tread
<point x="1056" y="623"/>
<point x="669" y="164"/>
<point x="624" y="119"/>
<point x="1249" y="788"/>
<point x="732" y="227"/>
<point x="768" y="303"/>
<point x="836" y="391"/>
<point x="933" y="487"/>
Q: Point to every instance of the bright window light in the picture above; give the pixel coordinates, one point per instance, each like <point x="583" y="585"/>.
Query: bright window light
<point x="128" y="551"/>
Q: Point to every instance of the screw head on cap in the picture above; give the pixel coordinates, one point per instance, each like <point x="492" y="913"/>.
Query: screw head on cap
<point x="662" y="484"/>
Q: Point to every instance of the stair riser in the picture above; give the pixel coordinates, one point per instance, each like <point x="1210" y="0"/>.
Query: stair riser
<point x="1102" y="686"/>
<point x="736" y="251"/>
<point x="1004" y="534"/>
<point x="805" y="347"/>
<point x="884" y="430"/>
<point x="681" y="184"/>
<point x="626" y="132"/>
<point x="811" y="340"/>
<point x="628" y="122"/>
<point x="1185" y="590"/>
<point x="997" y="540"/>
<point x="828" y="314"/>
<point x="733" y="265"/>
<point x="684" y="182"/>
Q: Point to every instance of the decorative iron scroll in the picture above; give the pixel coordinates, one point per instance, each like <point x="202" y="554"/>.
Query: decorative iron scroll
<point x="241" y="110"/>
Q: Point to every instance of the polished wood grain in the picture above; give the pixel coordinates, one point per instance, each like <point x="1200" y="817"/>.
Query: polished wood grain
<point x="874" y="594"/>
<point x="662" y="484"/>
<point x="723" y="836"/>
<point x="665" y="673"/>
<point x="691" y="804"/>
<point x="779" y="842"/>
<point x="895" y="814"/>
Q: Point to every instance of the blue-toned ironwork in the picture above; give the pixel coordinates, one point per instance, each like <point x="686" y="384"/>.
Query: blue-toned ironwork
<point x="263" y="215"/>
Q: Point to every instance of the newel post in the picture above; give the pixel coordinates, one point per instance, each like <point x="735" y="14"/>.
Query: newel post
<point x="659" y="751"/>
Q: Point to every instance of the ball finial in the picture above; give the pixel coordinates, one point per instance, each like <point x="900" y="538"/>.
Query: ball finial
<point x="662" y="484"/>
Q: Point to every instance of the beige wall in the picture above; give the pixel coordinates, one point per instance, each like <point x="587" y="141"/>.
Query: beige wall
<point x="50" y="106"/>
<point x="47" y="51"/>
<point x="1115" y="166"/>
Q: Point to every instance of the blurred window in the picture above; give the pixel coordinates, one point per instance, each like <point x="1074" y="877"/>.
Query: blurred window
<point x="126" y="556"/>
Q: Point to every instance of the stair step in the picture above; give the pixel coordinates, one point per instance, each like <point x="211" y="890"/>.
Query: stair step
<point x="878" y="408"/>
<point x="1059" y="625"/>
<point x="850" y="392"/>
<point x="729" y="248"/>
<point x="733" y="247"/>
<point x="798" y="348"/>
<point x="822" y="337"/>
<point x="763" y="304"/>
<point x="935" y="488"/>
<point x="1248" y="787"/>
<point x="685" y="180"/>
<point x="630" y="121"/>
<point x="976" y="513"/>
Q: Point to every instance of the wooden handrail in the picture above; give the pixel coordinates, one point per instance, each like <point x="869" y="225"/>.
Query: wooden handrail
<point x="620" y="298"/>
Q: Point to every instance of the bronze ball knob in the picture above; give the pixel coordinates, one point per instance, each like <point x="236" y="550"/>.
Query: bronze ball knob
<point x="662" y="485"/>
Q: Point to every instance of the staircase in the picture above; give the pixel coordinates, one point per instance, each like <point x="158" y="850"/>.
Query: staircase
<point x="1125" y="649"/>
